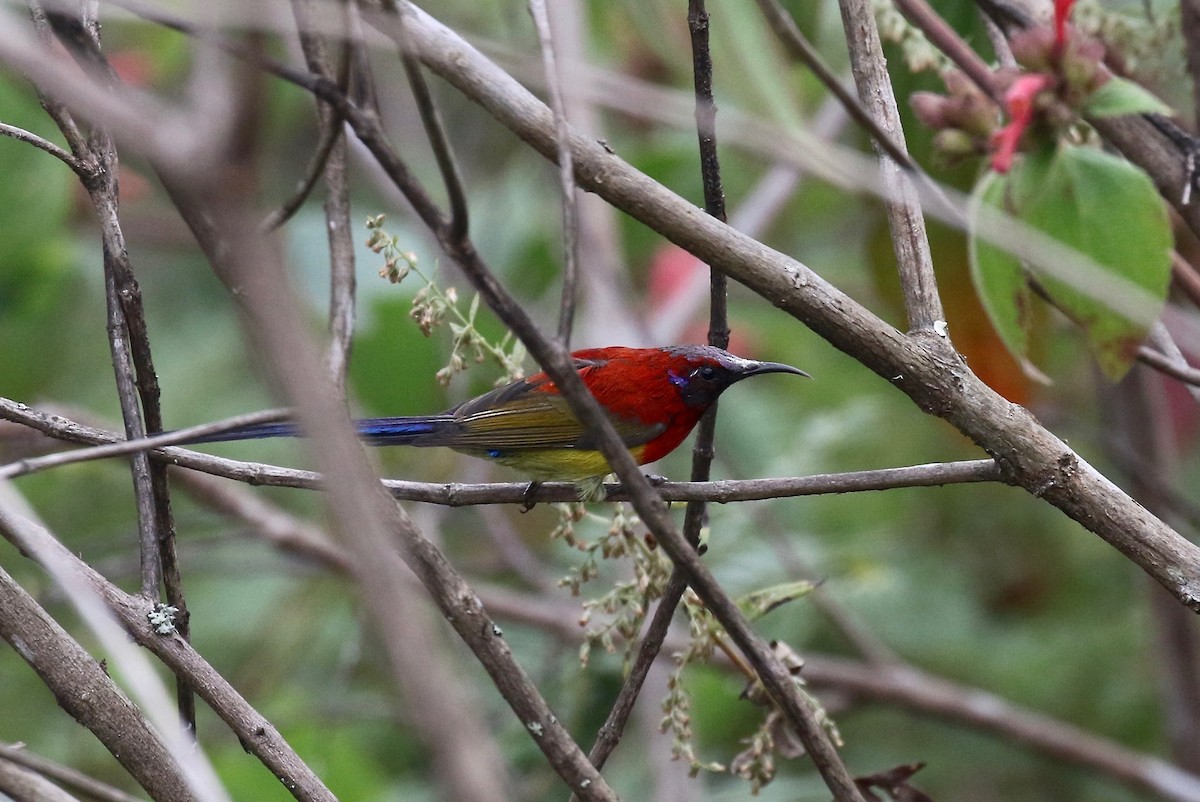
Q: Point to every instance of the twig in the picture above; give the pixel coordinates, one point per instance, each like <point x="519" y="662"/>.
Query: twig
<point x="331" y="134"/>
<point x="267" y="521"/>
<point x="1186" y="278"/>
<point x="931" y="695"/>
<point x="19" y="783"/>
<point x="84" y="784"/>
<point x="21" y="135"/>
<point x="55" y="109"/>
<point x="121" y="293"/>
<point x="1172" y="367"/>
<point x="919" y="13"/>
<point x="136" y="446"/>
<point x="342" y="282"/>
<point x="459" y="220"/>
<point x="566" y="170"/>
<point x="1165" y="356"/>
<point x="457" y="494"/>
<point x="905" y="220"/>
<point x="789" y="34"/>
<point x="610" y="732"/>
<point x="869" y="646"/>
<point x="607" y="310"/>
<point x="329" y="121"/>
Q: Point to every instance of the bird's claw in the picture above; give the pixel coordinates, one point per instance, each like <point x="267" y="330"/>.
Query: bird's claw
<point x="528" y="502"/>
<point x="656" y="480"/>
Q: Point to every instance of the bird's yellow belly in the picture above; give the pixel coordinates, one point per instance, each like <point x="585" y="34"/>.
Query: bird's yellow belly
<point x="555" y="464"/>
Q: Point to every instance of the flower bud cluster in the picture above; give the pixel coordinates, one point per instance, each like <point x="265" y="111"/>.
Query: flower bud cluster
<point x="964" y="118"/>
<point x="1060" y="69"/>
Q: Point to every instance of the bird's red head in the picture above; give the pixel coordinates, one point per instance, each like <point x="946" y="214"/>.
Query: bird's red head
<point x="668" y="388"/>
<point x="702" y="372"/>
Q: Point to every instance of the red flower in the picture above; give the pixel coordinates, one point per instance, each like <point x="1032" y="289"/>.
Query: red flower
<point x="1020" y="101"/>
<point x="1062" y="12"/>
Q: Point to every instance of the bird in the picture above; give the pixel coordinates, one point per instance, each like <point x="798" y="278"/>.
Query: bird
<point x="653" y="397"/>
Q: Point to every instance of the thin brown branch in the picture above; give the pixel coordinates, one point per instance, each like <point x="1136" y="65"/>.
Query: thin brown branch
<point x="318" y="164"/>
<point x="132" y="115"/>
<point x="780" y="535"/>
<point x="1163" y="354"/>
<point x="54" y="108"/>
<point x="566" y="170"/>
<point x="339" y="232"/>
<point x="607" y="305"/>
<point x="84" y="784"/>
<point x="933" y="696"/>
<point x="117" y="448"/>
<point x="648" y="651"/>
<point x="939" y="32"/>
<point x="797" y="45"/>
<point x="905" y="220"/>
<point x="457" y="494"/>
<point x="267" y="521"/>
<point x="1176" y="368"/>
<point x="1185" y="276"/>
<point x="435" y="130"/>
<point x="20" y="784"/>
<point x="28" y="137"/>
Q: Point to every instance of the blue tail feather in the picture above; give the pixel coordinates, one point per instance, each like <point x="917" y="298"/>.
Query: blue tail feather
<point x="254" y="431"/>
<point x="396" y="431"/>
<point x="403" y="431"/>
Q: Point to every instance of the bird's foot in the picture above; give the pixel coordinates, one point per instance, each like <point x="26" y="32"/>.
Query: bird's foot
<point x="656" y="480"/>
<point x="528" y="502"/>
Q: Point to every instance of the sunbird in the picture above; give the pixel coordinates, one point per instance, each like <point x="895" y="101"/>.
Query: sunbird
<point x="653" y="396"/>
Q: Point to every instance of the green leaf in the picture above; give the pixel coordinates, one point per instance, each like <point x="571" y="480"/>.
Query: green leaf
<point x="1102" y="207"/>
<point x="1117" y="96"/>
<point x="1109" y="210"/>
<point x="999" y="277"/>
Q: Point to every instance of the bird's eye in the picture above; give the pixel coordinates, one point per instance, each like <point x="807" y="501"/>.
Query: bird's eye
<point x="708" y="373"/>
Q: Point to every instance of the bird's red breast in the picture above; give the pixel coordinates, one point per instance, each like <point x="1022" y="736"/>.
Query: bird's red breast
<point x="633" y="385"/>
